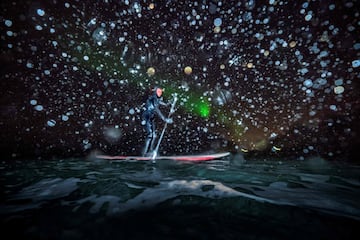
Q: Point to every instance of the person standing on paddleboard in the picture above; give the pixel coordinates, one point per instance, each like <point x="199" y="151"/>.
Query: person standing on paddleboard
<point x="150" y="111"/>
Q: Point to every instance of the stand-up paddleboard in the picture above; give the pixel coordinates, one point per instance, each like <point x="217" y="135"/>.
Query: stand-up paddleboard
<point x="205" y="157"/>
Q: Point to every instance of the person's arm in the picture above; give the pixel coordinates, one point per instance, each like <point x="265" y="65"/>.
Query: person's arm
<point x="167" y="120"/>
<point x="161" y="102"/>
<point x="160" y="113"/>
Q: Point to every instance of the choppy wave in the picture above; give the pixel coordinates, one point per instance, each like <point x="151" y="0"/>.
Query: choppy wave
<point x="247" y="191"/>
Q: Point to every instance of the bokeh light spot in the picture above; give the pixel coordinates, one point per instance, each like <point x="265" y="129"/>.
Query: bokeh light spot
<point x="150" y="71"/>
<point x="339" y="90"/>
<point x="250" y="65"/>
<point x="217" y="29"/>
<point x="292" y="44"/>
<point x="188" y="70"/>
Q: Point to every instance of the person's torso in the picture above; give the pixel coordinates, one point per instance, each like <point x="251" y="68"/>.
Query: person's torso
<point x="152" y="103"/>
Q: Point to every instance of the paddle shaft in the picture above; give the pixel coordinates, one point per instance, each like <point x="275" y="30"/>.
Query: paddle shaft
<point x="163" y="131"/>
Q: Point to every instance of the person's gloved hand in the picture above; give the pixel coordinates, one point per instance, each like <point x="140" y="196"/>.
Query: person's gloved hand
<point x="169" y="120"/>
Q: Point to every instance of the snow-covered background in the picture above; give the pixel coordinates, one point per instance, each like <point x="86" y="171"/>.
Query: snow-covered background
<point x="279" y="77"/>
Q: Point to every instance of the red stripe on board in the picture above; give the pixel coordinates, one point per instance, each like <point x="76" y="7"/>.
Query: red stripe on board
<point x="178" y="158"/>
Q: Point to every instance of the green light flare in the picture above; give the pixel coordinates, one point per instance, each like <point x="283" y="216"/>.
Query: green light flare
<point x="203" y="109"/>
<point x="191" y="101"/>
<point x="196" y="104"/>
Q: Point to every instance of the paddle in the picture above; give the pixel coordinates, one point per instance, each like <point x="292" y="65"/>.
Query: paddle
<point x="163" y="131"/>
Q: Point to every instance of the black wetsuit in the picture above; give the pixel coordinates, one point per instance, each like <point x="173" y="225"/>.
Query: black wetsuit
<point x="151" y="109"/>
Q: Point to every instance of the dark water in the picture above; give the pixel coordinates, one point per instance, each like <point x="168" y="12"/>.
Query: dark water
<point x="232" y="198"/>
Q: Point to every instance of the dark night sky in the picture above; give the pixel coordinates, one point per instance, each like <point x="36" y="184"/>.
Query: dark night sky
<point x="279" y="77"/>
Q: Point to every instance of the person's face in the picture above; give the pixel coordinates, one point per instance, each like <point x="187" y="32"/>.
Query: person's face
<point x="159" y="92"/>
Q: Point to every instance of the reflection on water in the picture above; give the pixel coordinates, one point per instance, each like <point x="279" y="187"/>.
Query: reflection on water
<point x="223" y="199"/>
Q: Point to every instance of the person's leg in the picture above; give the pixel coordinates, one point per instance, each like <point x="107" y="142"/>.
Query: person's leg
<point x="148" y="137"/>
<point x="153" y="138"/>
<point x="149" y="141"/>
